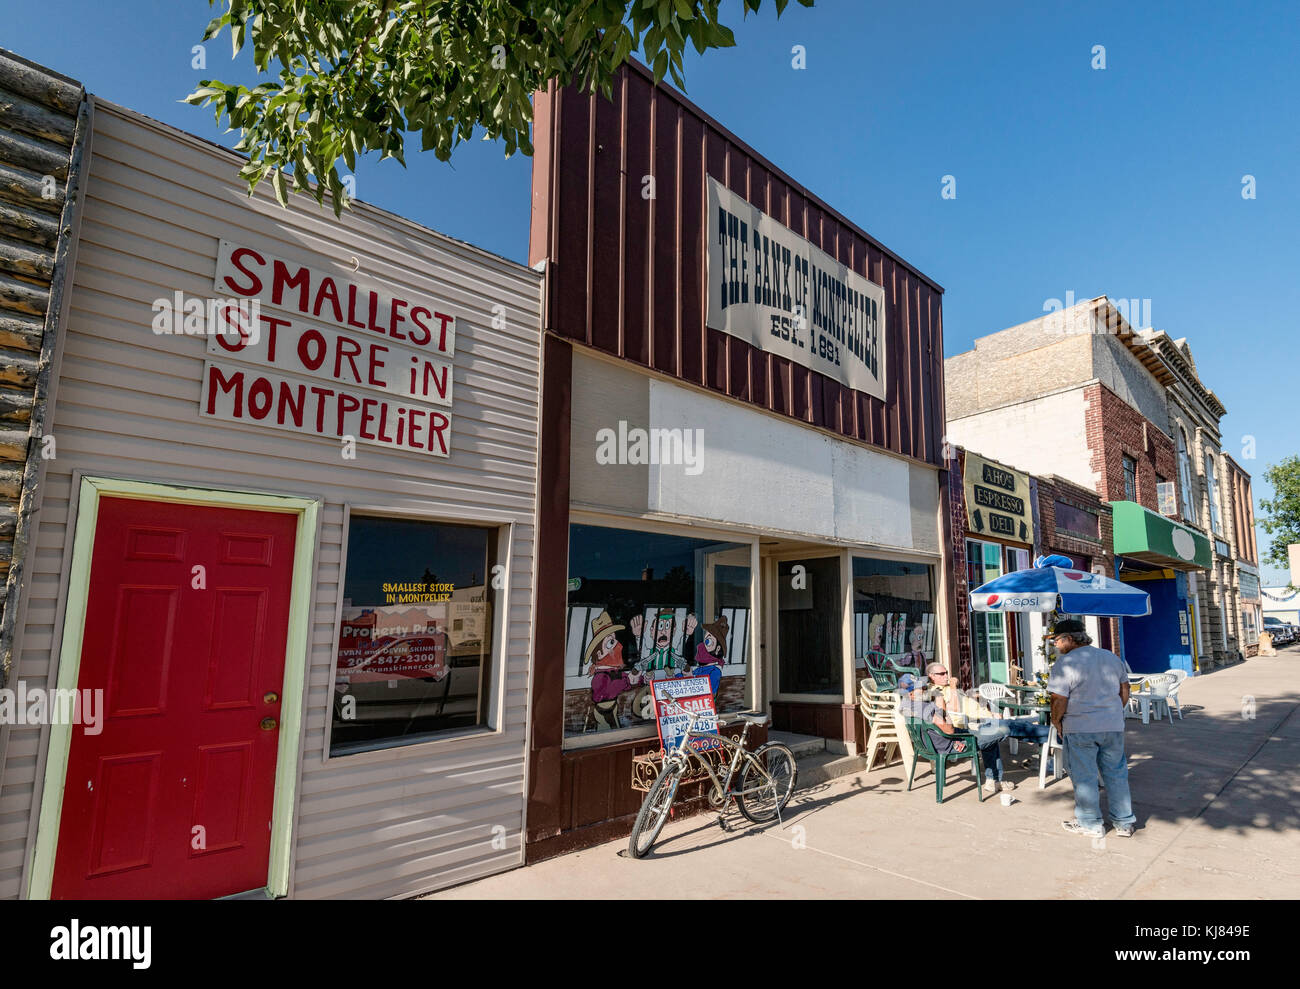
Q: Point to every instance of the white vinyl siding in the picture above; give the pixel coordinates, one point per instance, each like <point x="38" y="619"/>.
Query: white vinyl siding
<point x="392" y="822"/>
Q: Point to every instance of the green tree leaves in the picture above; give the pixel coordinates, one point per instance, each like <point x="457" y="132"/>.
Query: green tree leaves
<point x="1280" y="515"/>
<point x="355" y="76"/>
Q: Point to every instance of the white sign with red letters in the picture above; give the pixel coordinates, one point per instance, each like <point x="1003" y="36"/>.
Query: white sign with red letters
<point x="332" y="358"/>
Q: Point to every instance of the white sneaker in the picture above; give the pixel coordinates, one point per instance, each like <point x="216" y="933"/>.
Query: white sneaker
<point x="990" y="785"/>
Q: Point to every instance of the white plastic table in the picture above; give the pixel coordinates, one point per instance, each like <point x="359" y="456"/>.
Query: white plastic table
<point x="1144" y="699"/>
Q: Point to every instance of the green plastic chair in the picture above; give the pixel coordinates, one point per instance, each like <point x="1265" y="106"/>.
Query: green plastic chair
<point x="923" y="748"/>
<point x="882" y="671"/>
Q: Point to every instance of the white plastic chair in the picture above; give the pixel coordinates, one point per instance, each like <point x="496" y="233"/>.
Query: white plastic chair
<point x="994" y="692"/>
<point x="878" y="709"/>
<point x="1179" y="676"/>
<point x="1160" y="684"/>
<point x="1053" y="743"/>
<point x="1135" y="682"/>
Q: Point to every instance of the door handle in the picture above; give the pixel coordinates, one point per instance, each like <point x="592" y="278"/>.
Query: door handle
<point x="268" y="724"/>
<point x="270" y="697"/>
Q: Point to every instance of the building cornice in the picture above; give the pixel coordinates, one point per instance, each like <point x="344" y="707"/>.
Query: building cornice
<point x="1169" y="352"/>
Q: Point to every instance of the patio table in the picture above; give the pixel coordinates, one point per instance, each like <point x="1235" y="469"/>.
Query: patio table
<point x="1144" y="699"/>
<point x="1024" y="688"/>
<point x="1026" y="709"/>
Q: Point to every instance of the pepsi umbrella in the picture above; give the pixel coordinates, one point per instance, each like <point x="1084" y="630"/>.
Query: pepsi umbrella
<point x="1049" y="586"/>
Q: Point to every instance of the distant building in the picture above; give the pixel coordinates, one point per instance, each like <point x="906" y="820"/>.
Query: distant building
<point x="1245" y="602"/>
<point x="1281" y="602"/>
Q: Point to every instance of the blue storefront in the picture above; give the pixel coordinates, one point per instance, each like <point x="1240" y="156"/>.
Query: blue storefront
<point x="1157" y="554"/>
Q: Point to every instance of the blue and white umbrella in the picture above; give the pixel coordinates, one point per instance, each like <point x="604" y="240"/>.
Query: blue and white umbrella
<point x="1049" y="587"/>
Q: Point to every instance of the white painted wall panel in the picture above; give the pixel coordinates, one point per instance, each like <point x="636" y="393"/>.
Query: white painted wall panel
<point x="391" y="823"/>
<point x="1043" y="435"/>
<point x="766" y="474"/>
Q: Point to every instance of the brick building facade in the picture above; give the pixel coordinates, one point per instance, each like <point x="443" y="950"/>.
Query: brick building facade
<point x="1082" y="398"/>
<point x="959" y="581"/>
<point x="1069" y="520"/>
<point x="994" y="647"/>
<point x="1246" y="600"/>
<point x="1073" y="521"/>
<point x="1115" y="431"/>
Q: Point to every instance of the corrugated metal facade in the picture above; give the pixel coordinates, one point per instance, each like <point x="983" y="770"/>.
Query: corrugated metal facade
<point x="390" y="822"/>
<point x="627" y="275"/>
<point x="629" y="271"/>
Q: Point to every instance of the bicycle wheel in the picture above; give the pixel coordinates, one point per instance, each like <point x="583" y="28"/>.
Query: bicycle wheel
<point x="767" y="798"/>
<point x="654" y="811"/>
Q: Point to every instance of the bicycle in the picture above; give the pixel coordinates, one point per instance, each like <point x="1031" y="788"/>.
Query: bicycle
<point x="766" y="782"/>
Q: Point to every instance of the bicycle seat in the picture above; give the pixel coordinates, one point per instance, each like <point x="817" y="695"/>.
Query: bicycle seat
<point x="749" y="717"/>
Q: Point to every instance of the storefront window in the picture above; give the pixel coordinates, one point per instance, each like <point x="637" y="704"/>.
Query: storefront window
<point x="415" y="641"/>
<point x="988" y="629"/>
<point x="810" y="626"/>
<point x="893" y="613"/>
<point x="645" y="606"/>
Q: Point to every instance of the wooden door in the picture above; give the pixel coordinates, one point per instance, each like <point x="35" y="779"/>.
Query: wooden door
<point x="185" y="633"/>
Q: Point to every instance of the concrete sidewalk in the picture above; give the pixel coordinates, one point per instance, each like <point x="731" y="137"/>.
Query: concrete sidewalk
<point x="1217" y="797"/>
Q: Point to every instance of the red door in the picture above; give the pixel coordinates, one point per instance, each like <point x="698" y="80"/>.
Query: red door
<point x="186" y="627"/>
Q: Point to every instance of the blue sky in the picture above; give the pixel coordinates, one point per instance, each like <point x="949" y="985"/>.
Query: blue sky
<point x="1125" y="181"/>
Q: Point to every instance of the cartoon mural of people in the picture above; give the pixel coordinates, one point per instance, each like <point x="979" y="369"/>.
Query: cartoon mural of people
<point x="610" y="675"/>
<point x="710" y="653"/>
<point x="877" y="636"/>
<point x="915" y="656"/>
<point x="661" y="662"/>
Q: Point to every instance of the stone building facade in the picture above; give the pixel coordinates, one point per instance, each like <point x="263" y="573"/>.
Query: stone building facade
<point x="1194" y="416"/>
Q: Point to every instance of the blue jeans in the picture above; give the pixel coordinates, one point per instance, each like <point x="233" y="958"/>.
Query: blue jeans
<point x="1088" y="754"/>
<point x="990" y="734"/>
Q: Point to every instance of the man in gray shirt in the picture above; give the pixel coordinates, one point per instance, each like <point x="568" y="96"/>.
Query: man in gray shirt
<point x="1089" y="691"/>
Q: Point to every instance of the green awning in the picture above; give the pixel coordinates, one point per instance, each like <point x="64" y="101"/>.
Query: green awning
<point x="1148" y="536"/>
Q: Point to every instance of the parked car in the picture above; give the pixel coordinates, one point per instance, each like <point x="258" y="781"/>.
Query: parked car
<point x="1282" y="632"/>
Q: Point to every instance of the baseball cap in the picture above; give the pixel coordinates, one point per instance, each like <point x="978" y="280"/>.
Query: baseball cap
<point x="1068" y="626"/>
<point x="910" y="682"/>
